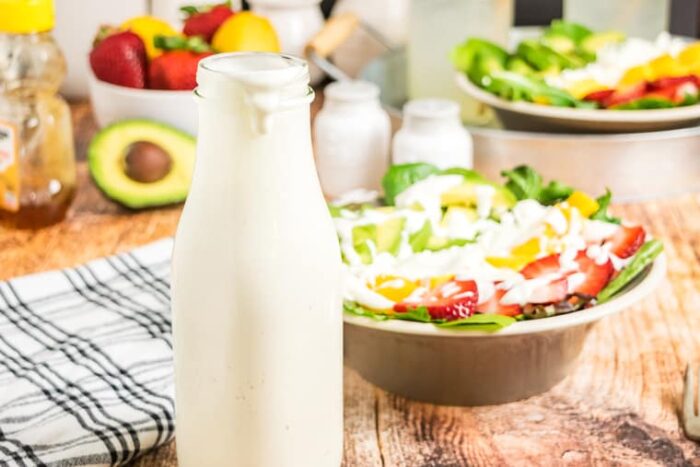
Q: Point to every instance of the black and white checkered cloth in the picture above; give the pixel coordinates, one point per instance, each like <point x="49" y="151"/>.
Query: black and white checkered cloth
<point x="86" y="362"/>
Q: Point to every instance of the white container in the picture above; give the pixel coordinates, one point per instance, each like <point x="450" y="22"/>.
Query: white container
<point x="111" y="103"/>
<point x="296" y="22"/>
<point x="435" y="28"/>
<point x="352" y="135"/>
<point x="432" y="133"/>
<point x="256" y="286"/>
<point x="77" y="23"/>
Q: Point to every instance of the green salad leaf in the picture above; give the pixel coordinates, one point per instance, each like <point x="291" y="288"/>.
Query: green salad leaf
<point x="419" y="314"/>
<point x="602" y="213"/>
<point x="479" y="322"/>
<point x="356" y="309"/>
<point x="574" y="31"/>
<point x="401" y="176"/>
<point x="526" y="183"/>
<point x="643" y="258"/>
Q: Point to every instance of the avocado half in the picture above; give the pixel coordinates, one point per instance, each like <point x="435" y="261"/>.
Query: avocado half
<point x="106" y="161"/>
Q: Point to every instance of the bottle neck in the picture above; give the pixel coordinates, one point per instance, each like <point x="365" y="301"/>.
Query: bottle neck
<point x="351" y="105"/>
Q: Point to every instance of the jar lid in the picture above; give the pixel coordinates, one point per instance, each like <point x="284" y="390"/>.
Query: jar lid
<point x="431" y="109"/>
<point x="352" y="91"/>
<point x="26" y="16"/>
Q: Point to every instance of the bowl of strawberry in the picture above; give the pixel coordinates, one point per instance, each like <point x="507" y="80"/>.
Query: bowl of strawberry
<point x="144" y="68"/>
<point x="460" y="290"/>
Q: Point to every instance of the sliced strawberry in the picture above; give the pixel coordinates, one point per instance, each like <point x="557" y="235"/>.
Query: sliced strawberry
<point x="673" y="81"/>
<point x="552" y="292"/>
<point x="493" y="306"/>
<point x="625" y="94"/>
<point x="599" y="96"/>
<point x="452" y="300"/>
<point x="626" y="241"/>
<point x="543" y="266"/>
<point x="596" y="275"/>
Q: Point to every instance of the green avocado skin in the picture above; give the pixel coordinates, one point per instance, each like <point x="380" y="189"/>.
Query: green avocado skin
<point x="105" y="157"/>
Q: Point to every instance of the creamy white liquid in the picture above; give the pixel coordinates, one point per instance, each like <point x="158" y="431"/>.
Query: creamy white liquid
<point x="256" y="279"/>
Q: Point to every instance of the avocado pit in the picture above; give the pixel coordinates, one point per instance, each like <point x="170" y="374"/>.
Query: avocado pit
<point x="147" y="162"/>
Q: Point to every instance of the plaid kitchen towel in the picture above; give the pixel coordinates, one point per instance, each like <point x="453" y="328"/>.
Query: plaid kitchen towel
<point x="86" y="362"/>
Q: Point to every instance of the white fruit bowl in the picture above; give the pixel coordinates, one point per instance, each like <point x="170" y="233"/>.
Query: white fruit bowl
<point x="112" y="103"/>
<point x="451" y="367"/>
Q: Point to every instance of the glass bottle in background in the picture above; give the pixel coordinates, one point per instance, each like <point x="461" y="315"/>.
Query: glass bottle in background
<point x="37" y="159"/>
<point x="636" y="18"/>
<point x="435" y="27"/>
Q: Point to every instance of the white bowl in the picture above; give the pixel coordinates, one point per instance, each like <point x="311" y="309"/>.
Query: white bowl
<point x="526" y="116"/>
<point x="443" y="366"/>
<point x="111" y="103"/>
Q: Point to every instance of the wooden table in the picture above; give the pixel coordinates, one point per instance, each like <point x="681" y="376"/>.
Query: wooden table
<point x="619" y="406"/>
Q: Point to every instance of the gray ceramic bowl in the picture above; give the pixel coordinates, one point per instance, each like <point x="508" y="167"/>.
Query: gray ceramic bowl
<point x="422" y="362"/>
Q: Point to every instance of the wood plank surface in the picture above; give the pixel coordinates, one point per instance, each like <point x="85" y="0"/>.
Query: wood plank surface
<point x="618" y="407"/>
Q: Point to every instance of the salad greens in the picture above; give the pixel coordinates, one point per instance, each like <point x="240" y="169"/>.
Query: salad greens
<point x="525" y="183"/>
<point x="643" y="258"/>
<point x="400" y="177"/>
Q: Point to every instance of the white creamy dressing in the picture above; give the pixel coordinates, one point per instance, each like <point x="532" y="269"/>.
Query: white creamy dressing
<point x="357" y="196"/>
<point x="426" y="194"/>
<point x="614" y="60"/>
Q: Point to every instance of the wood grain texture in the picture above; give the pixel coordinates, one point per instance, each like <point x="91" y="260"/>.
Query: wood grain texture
<point x="618" y="407"/>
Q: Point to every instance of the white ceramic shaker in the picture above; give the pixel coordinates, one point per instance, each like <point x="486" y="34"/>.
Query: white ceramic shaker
<point x="296" y="22"/>
<point x="352" y="135"/>
<point x="432" y="132"/>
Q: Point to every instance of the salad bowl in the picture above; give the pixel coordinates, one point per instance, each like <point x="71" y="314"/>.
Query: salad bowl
<point x="462" y="290"/>
<point x="527" y="116"/>
<point x="442" y="366"/>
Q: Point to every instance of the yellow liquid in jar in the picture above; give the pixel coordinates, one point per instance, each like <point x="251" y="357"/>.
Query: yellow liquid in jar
<point x="31" y="69"/>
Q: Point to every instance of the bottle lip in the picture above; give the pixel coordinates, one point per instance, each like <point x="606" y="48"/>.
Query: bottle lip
<point x="431" y="109"/>
<point x="352" y="91"/>
<point x="261" y="70"/>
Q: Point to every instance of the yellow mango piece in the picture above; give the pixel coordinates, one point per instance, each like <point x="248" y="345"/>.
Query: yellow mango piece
<point x="528" y="249"/>
<point x="667" y="66"/>
<point x="690" y="56"/>
<point x="394" y="288"/>
<point x="584" y="203"/>
<point x="581" y="89"/>
<point x="515" y="263"/>
<point x="437" y="281"/>
<point x="637" y="74"/>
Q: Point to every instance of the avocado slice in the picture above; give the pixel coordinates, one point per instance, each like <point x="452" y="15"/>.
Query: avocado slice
<point x="593" y="43"/>
<point x="420" y="238"/>
<point x="107" y="161"/>
<point x="465" y="195"/>
<point x="362" y="235"/>
<point x="389" y="235"/>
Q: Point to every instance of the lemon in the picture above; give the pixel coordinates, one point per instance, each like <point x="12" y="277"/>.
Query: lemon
<point x="246" y="31"/>
<point x="147" y="28"/>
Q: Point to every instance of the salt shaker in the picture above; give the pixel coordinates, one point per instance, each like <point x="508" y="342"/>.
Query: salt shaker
<point x="352" y="135"/>
<point x="432" y="132"/>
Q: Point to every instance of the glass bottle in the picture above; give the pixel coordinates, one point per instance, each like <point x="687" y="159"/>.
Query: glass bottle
<point x="636" y="18"/>
<point x="435" y="27"/>
<point x="256" y="282"/>
<point x="37" y="160"/>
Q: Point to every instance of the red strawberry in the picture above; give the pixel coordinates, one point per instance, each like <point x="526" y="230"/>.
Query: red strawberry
<point x="553" y="292"/>
<point x="626" y="241"/>
<point x="175" y="70"/>
<point x="205" y="23"/>
<point x="625" y="94"/>
<point x="494" y="306"/>
<point x="452" y="300"/>
<point x="596" y="275"/>
<point x="540" y="267"/>
<point x="120" y="59"/>
<point x="673" y="81"/>
<point x="599" y="96"/>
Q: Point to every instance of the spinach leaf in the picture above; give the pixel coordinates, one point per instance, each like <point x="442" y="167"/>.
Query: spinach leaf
<point x="399" y="177"/>
<point x="479" y="322"/>
<point x="419" y="314"/>
<point x="643" y="258"/>
<point x="356" y="309"/>
<point x="602" y="213"/>
<point x="525" y="183"/>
